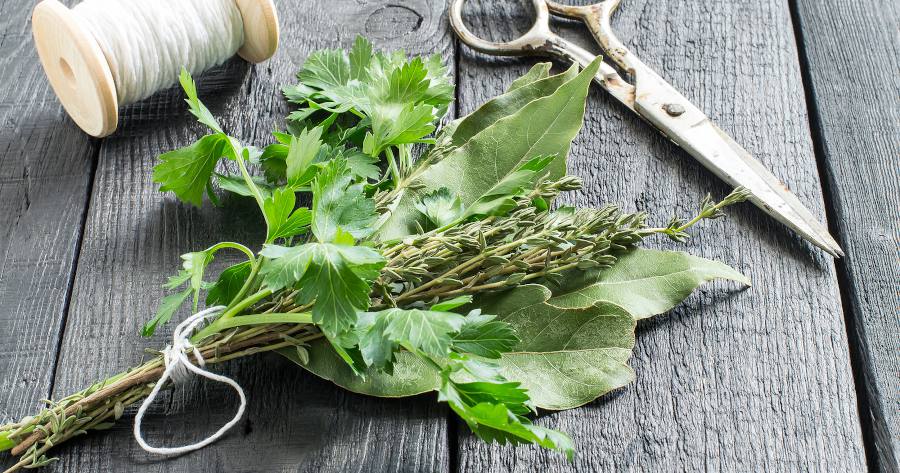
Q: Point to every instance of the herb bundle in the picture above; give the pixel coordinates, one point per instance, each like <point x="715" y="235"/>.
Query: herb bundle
<point x="446" y="273"/>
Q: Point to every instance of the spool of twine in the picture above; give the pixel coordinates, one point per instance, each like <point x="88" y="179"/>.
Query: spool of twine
<point x="104" y="54"/>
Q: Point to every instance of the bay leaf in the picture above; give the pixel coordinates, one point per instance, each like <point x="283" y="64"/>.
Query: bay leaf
<point x="575" y="339"/>
<point x="541" y="127"/>
<point x="566" y="357"/>
<point x="534" y="85"/>
<point x="645" y="282"/>
<point x="411" y="375"/>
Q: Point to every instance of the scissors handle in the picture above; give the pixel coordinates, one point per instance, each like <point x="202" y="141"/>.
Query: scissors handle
<point x="598" y="18"/>
<point x="540" y="41"/>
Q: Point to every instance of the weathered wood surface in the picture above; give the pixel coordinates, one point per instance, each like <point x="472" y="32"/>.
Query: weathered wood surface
<point x="134" y="235"/>
<point x="45" y="174"/>
<point x="753" y="380"/>
<point x="852" y="55"/>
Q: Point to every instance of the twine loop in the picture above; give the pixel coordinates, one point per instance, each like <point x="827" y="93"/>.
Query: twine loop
<point x="178" y="368"/>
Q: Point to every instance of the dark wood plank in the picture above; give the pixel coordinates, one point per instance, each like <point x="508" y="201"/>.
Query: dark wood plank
<point x="852" y="54"/>
<point x="134" y="235"/>
<point x="755" y="380"/>
<point x="45" y="173"/>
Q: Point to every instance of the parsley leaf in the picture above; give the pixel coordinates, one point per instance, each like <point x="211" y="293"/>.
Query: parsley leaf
<point x="336" y="277"/>
<point x="339" y="204"/>
<point x="193" y="266"/>
<point x="494" y="413"/>
<point x="237" y="185"/>
<point x="285" y="221"/>
<point x="228" y="285"/>
<point x="303" y="149"/>
<point x="399" y="100"/>
<point x="440" y="208"/>
<point x="428" y="332"/>
<point x="483" y="336"/>
<point x="186" y="171"/>
<point x="196" y="106"/>
<point x="167" y="307"/>
<point x="361" y="164"/>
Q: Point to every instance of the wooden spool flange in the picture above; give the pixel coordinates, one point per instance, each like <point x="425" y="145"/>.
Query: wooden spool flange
<point x="80" y="75"/>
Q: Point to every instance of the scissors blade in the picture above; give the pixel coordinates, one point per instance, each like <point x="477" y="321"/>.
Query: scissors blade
<point x="687" y="126"/>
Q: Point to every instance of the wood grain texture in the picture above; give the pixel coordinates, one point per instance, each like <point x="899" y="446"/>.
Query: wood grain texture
<point x="134" y="234"/>
<point x="753" y="380"/>
<point x="852" y="53"/>
<point x="45" y="171"/>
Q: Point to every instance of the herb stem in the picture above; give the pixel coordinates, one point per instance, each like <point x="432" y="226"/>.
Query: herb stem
<point x="249" y="181"/>
<point x="255" y="266"/>
<point x="218" y="325"/>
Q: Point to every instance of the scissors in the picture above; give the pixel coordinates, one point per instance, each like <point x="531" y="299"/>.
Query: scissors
<point x="656" y="101"/>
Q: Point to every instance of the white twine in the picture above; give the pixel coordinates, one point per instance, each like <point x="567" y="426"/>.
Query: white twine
<point x="146" y="42"/>
<point x="177" y="365"/>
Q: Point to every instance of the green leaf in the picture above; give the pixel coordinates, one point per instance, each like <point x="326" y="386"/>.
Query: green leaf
<point x="186" y="171"/>
<point x="450" y="304"/>
<point x="440" y="208"/>
<point x="284" y="220"/>
<point x="228" y="285"/>
<point x="274" y="162"/>
<point x="336" y="277"/>
<point x="566" y="357"/>
<point x="410" y="374"/>
<point x="474" y="167"/>
<point x="360" y="56"/>
<point x="340" y="204"/>
<point x="498" y="200"/>
<point x="483" y="336"/>
<point x="362" y="165"/>
<point x="167" y="307"/>
<point x="381" y="334"/>
<point x="489" y="410"/>
<point x="237" y="185"/>
<point x="325" y="69"/>
<point x="397" y="100"/>
<point x="519" y="94"/>
<point x="302" y="151"/>
<point x="195" y="264"/>
<point x="426" y="331"/>
<point x="409" y="124"/>
<point x="644" y="282"/>
<point x="178" y="279"/>
<point x="196" y="106"/>
<point x="537" y="72"/>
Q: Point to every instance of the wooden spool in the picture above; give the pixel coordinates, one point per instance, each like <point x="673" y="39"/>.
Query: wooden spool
<point x="80" y="75"/>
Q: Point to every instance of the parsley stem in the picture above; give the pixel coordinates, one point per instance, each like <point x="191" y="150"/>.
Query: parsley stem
<point x="249" y="301"/>
<point x="249" y="181"/>
<point x="392" y="165"/>
<point x="270" y="318"/>
<point x="255" y="266"/>
<point x="252" y="319"/>
<point x="222" y="321"/>
<point x="236" y="246"/>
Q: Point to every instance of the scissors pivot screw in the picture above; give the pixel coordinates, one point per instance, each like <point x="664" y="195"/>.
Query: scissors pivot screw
<point x="673" y="109"/>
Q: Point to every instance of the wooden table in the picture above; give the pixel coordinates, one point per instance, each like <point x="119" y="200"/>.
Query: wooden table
<point x="798" y="373"/>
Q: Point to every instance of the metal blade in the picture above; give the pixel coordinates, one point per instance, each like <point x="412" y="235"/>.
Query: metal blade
<point x="690" y="128"/>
